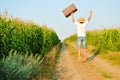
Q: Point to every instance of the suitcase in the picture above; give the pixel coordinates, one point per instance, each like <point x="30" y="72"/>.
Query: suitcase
<point x="68" y="10"/>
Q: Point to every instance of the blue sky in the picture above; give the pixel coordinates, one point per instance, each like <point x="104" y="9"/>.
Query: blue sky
<point x="106" y="13"/>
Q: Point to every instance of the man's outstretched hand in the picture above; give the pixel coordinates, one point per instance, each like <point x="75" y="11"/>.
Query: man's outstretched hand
<point x="91" y="12"/>
<point x="89" y="18"/>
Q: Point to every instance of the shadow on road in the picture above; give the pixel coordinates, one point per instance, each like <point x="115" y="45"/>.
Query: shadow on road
<point x="96" y="52"/>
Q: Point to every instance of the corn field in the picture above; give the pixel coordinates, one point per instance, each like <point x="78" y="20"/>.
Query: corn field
<point x="23" y="46"/>
<point x="25" y="37"/>
<point x="105" y="40"/>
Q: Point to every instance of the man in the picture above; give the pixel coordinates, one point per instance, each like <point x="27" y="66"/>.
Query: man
<point x="81" y="24"/>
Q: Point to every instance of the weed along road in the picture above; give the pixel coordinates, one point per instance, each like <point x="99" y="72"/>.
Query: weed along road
<point x="68" y="68"/>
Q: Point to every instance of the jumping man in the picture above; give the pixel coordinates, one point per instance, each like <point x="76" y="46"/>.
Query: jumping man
<point x="81" y="24"/>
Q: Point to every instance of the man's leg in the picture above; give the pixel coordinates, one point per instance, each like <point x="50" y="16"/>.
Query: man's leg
<point x="79" y="52"/>
<point x="85" y="53"/>
<point x="78" y="47"/>
<point x="84" y="48"/>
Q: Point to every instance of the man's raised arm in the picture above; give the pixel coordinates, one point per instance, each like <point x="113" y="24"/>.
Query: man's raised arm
<point x="72" y="18"/>
<point x="89" y="18"/>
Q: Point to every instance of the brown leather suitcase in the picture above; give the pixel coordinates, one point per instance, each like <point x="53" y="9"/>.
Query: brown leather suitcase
<point x="68" y="10"/>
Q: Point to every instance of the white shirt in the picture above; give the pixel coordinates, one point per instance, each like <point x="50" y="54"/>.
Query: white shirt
<point x="81" y="28"/>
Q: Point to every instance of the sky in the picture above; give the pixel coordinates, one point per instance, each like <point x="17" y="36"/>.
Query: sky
<point x="106" y="13"/>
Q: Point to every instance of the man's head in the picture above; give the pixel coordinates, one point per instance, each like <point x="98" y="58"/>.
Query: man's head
<point x="81" y="20"/>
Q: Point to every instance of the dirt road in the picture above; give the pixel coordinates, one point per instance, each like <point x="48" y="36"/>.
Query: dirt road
<point x="68" y="68"/>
